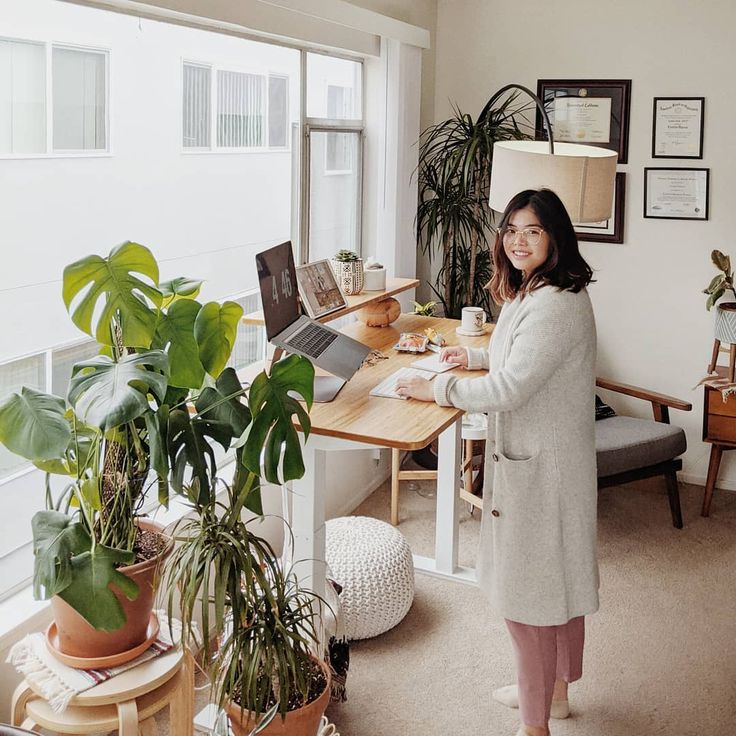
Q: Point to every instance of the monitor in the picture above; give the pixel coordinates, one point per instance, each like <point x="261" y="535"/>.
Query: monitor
<point x="277" y="280"/>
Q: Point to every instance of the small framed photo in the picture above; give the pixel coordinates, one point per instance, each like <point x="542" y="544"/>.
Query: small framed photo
<point x="593" y="112"/>
<point x="612" y="229"/>
<point x="676" y="194"/>
<point x="677" y="127"/>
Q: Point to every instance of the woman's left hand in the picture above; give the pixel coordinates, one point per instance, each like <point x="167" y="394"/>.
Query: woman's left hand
<point x="415" y="388"/>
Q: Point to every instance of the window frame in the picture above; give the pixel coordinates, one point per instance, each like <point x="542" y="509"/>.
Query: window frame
<point x="50" y="151"/>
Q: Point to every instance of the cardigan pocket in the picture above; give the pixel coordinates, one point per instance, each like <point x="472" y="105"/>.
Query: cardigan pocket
<point x="516" y="481"/>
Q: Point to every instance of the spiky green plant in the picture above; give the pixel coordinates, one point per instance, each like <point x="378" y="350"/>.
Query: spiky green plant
<point x="453" y="216"/>
<point x="346" y="256"/>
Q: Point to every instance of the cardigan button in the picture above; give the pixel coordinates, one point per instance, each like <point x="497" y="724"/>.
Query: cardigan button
<point x="496" y="513"/>
<point x="495" y="457"/>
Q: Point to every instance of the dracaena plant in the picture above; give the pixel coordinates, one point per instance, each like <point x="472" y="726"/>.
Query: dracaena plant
<point x="722" y="282"/>
<point x="147" y="411"/>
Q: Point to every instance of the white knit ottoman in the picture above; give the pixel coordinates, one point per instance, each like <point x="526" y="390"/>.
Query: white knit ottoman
<point x="373" y="563"/>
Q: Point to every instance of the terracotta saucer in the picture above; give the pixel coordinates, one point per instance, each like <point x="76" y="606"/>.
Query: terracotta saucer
<point x="96" y="663"/>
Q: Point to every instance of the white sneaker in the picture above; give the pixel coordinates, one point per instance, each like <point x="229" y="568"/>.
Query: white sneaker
<point x="509" y="696"/>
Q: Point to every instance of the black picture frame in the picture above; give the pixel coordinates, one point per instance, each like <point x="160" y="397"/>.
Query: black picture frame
<point x="611" y="230"/>
<point x="660" y="148"/>
<point x="651" y="210"/>
<point x="617" y="90"/>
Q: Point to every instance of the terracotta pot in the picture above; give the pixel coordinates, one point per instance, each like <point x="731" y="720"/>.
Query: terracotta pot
<point x="299" y="722"/>
<point x="78" y="638"/>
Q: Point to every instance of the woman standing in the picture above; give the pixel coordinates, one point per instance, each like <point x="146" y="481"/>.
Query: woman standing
<point x="538" y="539"/>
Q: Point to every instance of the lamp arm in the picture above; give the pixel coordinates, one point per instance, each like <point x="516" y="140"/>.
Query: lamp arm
<point x="537" y="102"/>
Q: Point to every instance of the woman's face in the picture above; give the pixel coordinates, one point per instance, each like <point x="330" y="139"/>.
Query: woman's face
<point x="525" y="242"/>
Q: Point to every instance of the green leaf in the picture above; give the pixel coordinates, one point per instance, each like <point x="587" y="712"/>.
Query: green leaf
<point x="175" y="335"/>
<point x="89" y="593"/>
<point x="89" y="489"/>
<point x="33" y="425"/>
<point x="716" y="283"/>
<point x="107" y="290"/>
<point x="56" y="539"/>
<point x="106" y="394"/>
<point x="721" y="261"/>
<point x="157" y="428"/>
<point x="215" y="330"/>
<point x="713" y="298"/>
<point x="77" y="455"/>
<point x="222" y="402"/>
<point x="179" y="288"/>
<point x="273" y="428"/>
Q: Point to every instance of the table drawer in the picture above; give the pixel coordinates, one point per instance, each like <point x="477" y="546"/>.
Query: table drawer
<point x="716" y="404"/>
<point x="720" y="429"/>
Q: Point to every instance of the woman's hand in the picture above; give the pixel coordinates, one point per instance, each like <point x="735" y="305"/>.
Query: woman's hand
<point x="415" y="388"/>
<point x="455" y="354"/>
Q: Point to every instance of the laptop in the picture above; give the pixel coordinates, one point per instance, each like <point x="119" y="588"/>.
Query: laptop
<point x="289" y="329"/>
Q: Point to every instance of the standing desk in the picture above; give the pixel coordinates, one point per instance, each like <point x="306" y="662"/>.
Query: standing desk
<point x="354" y="420"/>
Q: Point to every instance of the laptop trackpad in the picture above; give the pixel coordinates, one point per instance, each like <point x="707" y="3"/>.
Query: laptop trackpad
<point x="325" y="388"/>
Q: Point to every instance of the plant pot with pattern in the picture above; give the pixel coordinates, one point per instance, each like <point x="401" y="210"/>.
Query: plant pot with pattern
<point x="348" y="268"/>
<point x="725" y="319"/>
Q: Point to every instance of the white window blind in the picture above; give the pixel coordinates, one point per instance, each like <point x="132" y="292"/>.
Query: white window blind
<point x="79" y="99"/>
<point x="22" y="97"/>
<point x="197" y="106"/>
<point x="278" y="111"/>
<point x="240" y="110"/>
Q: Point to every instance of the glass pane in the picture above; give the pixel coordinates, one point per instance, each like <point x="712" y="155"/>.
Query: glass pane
<point x="62" y="362"/>
<point x="22" y="97"/>
<point x="29" y="372"/>
<point x="278" y="111"/>
<point x="196" y="106"/>
<point x="250" y="341"/>
<point x="79" y="100"/>
<point x="334" y="181"/>
<point x="334" y="88"/>
<point x="240" y="110"/>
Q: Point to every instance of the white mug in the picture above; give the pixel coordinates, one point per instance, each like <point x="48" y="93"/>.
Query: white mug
<point x="473" y="319"/>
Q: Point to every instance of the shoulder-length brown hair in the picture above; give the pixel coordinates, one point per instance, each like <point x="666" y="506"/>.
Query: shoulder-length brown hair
<point x="564" y="267"/>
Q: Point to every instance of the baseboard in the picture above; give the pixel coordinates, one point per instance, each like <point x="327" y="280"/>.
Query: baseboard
<point x="699" y="480"/>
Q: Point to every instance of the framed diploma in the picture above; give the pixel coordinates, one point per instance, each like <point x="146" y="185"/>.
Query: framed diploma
<point x="676" y="194"/>
<point x="611" y="230"/>
<point x="677" y="127"/>
<point x="593" y="112"/>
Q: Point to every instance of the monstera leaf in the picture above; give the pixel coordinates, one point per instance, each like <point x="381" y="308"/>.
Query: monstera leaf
<point x="179" y="288"/>
<point x="33" y="425"/>
<point x="273" y="429"/>
<point x="175" y="334"/>
<point x="215" y="330"/>
<point x="222" y="402"/>
<point x="107" y="289"/>
<point x="84" y="440"/>
<point x="107" y="394"/>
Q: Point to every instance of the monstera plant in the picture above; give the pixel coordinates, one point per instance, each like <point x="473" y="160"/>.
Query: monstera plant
<point x="147" y="413"/>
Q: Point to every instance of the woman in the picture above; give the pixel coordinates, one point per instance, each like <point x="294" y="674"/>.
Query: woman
<point x="538" y="560"/>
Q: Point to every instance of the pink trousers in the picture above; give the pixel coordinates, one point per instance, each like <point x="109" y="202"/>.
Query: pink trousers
<point x="545" y="654"/>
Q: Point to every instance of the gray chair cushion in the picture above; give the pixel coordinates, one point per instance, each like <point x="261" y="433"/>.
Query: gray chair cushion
<point x="626" y="443"/>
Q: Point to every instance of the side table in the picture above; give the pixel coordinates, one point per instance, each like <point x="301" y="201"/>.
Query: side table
<point x="124" y="702"/>
<point x="719" y="428"/>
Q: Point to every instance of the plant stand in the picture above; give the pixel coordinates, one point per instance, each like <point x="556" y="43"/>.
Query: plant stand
<point x="125" y="703"/>
<point x="731" y="350"/>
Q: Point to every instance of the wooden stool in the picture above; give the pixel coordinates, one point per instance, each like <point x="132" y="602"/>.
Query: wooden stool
<point x="125" y="702"/>
<point x="731" y="350"/>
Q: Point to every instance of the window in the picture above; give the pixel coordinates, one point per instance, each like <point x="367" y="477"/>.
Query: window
<point x="79" y="104"/>
<point x="197" y="106"/>
<point x="278" y="111"/>
<point x="22" y="97"/>
<point x="240" y="110"/>
<point x="339" y="147"/>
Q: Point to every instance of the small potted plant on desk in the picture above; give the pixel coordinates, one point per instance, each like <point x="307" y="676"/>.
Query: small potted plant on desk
<point x="725" y="322"/>
<point x="348" y="268"/>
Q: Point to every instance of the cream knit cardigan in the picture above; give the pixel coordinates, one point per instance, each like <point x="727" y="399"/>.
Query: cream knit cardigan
<point x="537" y="559"/>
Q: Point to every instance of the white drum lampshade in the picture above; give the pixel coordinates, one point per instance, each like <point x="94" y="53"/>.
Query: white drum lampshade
<point x="583" y="177"/>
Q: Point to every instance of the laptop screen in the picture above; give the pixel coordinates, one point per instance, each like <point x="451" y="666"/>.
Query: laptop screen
<point x="277" y="279"/>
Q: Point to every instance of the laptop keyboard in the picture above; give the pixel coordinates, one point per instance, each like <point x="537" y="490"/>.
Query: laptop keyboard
<point x="313" y="340"/>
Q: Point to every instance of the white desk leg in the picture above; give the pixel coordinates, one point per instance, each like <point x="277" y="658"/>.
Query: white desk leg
<point x="308" y="519"/>
<point x="449" y="458"/>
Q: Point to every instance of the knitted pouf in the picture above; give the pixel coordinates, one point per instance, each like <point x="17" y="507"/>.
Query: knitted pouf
<point x="373" y="563"/>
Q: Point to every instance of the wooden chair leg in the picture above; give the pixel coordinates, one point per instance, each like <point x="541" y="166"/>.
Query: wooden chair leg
<point x="716" y="452"/>
<point x="181" y="708"/>
<point x="395" y="466"/>
<point x="128" y="718"/>
<point x="714" y="357"/>
<point x="732" y="363"/>
<point x="673" y="493"/>
<point x="468" y="466"/>
<point x="21" y="696"/>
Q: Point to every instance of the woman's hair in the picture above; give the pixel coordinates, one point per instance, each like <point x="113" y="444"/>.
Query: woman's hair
<point x="564" y="267"/>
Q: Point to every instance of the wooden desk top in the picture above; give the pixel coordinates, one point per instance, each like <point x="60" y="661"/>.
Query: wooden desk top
<point x="407" y="425"/>
<point x="393" y="286"/>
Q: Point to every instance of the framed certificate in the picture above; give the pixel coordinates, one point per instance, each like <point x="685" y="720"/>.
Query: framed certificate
<point x="611" y="230"/>
<point x="677" y="127"/>
<point x="592" y="112"/>
<point x="676" y="194"/>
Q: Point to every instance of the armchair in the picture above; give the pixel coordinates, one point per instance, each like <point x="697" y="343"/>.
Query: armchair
<point x="631" y="449"/>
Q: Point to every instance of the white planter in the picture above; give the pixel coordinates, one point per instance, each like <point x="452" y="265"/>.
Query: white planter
<point x="725" y="323"/>
<point x="349" y="275"/>
<point x="375" y="279"/>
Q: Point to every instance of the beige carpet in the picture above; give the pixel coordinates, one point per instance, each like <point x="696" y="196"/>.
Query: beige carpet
<point x="660" y="656"/>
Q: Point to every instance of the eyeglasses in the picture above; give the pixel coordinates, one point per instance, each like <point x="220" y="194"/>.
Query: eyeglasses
<point x="530" y="235"/>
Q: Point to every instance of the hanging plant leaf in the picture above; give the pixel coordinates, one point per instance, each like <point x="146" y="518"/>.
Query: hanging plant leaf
<point x="106" y="394"/>
<point x="179" y="288"/>
<point x="108" y="290"/>
<point x="175" y="335"/>
<point x="215" y="330"/>
<point x="33" y="425"/>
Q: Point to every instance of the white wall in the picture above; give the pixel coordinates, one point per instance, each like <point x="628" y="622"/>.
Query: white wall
<point x="652" y="324"/>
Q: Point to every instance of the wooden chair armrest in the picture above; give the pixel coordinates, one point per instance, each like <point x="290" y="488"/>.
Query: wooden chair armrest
<point x="660" y="402"/>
